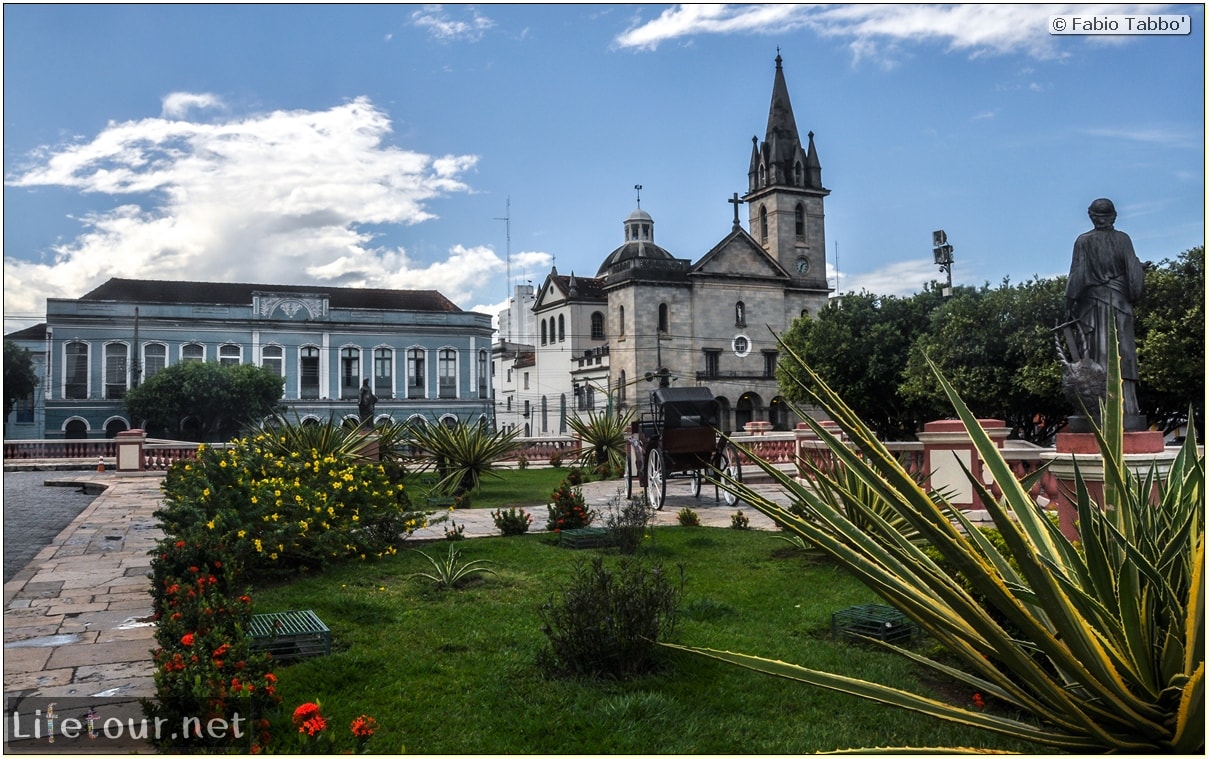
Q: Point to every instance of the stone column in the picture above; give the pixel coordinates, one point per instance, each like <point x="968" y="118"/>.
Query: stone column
<point x="947" y="448"/>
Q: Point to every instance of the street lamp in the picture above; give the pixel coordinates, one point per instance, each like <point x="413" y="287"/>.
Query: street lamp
<point x="942" y="254"/>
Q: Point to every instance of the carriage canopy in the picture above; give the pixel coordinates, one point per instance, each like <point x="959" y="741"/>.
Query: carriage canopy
<point x="685" y="407"/>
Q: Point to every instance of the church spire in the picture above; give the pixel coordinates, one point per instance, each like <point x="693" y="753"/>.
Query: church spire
<point x="781" y="161"/>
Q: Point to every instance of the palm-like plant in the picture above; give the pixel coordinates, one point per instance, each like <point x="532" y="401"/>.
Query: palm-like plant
<point x="326" y="438"/>
<point x="1096" y="646"/>
<point x="462" y="454"/>
<point x="603" y="437"/>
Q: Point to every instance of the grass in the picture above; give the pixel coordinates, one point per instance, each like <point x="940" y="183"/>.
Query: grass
<point x="454" y="671"/>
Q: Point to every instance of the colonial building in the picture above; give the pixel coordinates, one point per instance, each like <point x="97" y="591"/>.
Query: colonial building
<point x="649" y="316"/>
<point x="424" y="356"/>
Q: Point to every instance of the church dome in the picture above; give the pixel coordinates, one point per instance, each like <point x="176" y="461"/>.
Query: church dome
<point x="639" y="244"/>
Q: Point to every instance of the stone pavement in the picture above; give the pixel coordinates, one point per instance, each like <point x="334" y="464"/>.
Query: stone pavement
<point x="77" y="618"/>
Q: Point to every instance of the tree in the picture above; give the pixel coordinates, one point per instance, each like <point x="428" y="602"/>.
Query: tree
<point x="996" y="347"/>
<point x="1170" y="332"/>
<point x="19" y="377"/>
<point x="205" y="400"/>
<point x="860" y="344"/>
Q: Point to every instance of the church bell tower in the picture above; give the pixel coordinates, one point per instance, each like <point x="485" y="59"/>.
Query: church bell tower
<point x="785" y="193"/>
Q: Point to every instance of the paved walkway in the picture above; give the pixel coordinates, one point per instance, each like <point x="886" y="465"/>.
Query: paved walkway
<point x="77" y="618"/>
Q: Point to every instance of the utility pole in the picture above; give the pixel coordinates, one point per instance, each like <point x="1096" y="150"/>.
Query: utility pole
<point x="507" y="219"/>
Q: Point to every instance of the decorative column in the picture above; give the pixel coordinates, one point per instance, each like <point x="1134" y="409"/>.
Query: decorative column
<point x="947" y="449"/>
<point x="130" y="450"/>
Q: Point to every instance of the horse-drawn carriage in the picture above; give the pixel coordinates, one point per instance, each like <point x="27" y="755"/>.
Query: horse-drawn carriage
<point x="679" y="438"/>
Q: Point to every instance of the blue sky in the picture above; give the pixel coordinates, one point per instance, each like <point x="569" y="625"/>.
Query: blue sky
<point x="379" y="145"/>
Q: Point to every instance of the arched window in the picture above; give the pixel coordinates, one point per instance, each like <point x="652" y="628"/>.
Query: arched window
<point x="75" y="371"/>
<point x="350" y="372"/>
<point x="271" y="358"/>
<point x="545" y="414"/>
<point x="155" y="357"/>
<point x="598" y="330"/>
<point x="482" y="374"/>
<point x="621" y="321"/>
<point x="562" y="414"/>
<point x="799" y="222"/>
<point x="543" y="331"/>
<point x="384" y="373"/>
<point x="415" y="373"/>
<point x="663" y="317"/>
<point x="797" y="174"/>
<point x="763" y="225"/>
<point x="230" y="355"/>
<point x="308" y="365"/>
<point x="740" y="315"/>
<point x="447" y="373"/>
<point x="193" y="352"/>
<point x="562" y="331"/>
<point x="621" y="386"/>
<point x="116" y="371"/>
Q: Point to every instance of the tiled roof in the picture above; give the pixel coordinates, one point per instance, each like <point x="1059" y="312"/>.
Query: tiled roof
<point x="36" y="332"/>
<point x="161" y="291"/>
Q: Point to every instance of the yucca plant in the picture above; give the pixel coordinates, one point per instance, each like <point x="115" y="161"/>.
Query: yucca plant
<point x="462" y="454"/>
<point x="326" y="438"/>
<point x="603" y="437"/>
<point x="1093" y="646"/>
<point x="448" y="572"/>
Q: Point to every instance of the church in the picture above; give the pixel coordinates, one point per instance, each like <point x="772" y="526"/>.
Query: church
<point x="648" y="317"/>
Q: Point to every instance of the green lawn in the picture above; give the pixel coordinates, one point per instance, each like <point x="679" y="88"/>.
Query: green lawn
<point x="453" y="672"/>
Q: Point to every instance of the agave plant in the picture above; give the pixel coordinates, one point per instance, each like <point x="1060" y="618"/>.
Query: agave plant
<point x="1092" y="646"/>
<point x="462" y="454"/>
<point x="327" y="438"/>
<point x="603" y="437"/>
<point x="448" y="572"/>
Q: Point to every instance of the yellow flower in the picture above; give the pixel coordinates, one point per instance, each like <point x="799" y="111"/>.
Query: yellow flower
<point x="255" y="499"/>
<point x="210" y="525"/>
<point x="273" y="556"/>
<point x="242" y="533"/>
<point x="257" y="544"/>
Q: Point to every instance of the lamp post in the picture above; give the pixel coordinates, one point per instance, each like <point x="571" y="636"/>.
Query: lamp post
<point x="942" y="254"/>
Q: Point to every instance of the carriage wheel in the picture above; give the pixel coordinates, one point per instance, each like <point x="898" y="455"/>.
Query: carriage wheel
<point x="656" y="478"/>
<point x="732" y="471"/>
<point x="695" y="483"/>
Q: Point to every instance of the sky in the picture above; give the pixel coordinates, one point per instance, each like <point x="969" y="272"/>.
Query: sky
<point x="470" y="148"/>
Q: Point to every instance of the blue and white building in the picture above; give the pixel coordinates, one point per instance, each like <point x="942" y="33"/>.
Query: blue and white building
<point x="424" y="356"/>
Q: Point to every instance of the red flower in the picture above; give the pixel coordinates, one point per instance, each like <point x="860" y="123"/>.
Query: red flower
<point x="180" y="544"/>
<point x="364" y="726"/>
<point x="313" y="726"/>
<point x="305" y="712"/>
<point x="978" y="700"/>
<point x="187" y="639"/>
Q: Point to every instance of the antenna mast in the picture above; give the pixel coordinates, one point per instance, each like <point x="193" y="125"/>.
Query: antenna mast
<point x="507" y="219"/>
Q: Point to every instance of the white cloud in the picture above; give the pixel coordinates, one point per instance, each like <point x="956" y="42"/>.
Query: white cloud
<point x="177" y="104"/>
<point x="875" y="31"/>
<point x="441" y="26"/>
<point x="900" y="278"/>
<point x="274" y="198"/>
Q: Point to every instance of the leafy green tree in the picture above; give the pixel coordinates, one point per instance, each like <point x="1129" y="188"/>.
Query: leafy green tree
<point x="208" y="401"/>
<point x="1170" y="331"/>
<point x="860" y="343"/>
<point x="996" y="346"/>
<point x="19" y="377"/>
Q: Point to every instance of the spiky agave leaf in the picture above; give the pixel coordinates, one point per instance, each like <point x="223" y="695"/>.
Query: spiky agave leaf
<point x="603" y="437"/>
<point x="1098" y="645"/>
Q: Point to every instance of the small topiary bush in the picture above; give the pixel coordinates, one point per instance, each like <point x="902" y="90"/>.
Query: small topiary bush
<point x="688" y="518"/>
<point x="513" y="521"/>
<point x="568" y="510"/>
<point x="628" y="520"/>
<point x="739" y="521"/>
<point x="556" y="459"/>
<point x="609" y="622"/>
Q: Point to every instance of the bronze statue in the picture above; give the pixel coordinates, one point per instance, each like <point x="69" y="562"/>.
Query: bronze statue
<point x="365" y="404"/>
<point x="1104" y="284"/>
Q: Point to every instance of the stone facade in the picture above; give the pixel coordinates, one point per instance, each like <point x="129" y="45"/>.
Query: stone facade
<point x="423" y="355"/>
<point x="705" y="322"/>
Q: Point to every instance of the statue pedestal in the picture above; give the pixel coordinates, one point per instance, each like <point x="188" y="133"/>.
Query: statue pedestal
<point x="1142" y="451"/>
<point x="369" y="449"/>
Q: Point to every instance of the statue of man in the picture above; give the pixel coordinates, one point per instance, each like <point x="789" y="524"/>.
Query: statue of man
<point x="1105" y="281"/>
<point x="365" y="404"/>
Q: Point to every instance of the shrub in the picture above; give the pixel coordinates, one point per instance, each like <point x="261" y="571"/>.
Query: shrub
<point x="455" y="531"/>
<point x="205" y="667"/>
<point x="575" y="475"/>
<point x="628" y="520"/>
<point x="462" y="454"/>
<point x="278" y="510"/>
<point x="556" y="459"/>
<point x="608" y="623"/>
<point x="513" y="521"/>
<point x="568" y="510"/>
<point x="688" y="518"/>
<point x="739" y="521"/>
<point x="522" y="463"/>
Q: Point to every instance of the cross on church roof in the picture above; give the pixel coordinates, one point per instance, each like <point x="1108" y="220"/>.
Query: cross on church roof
<point x="735" y="200"/>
